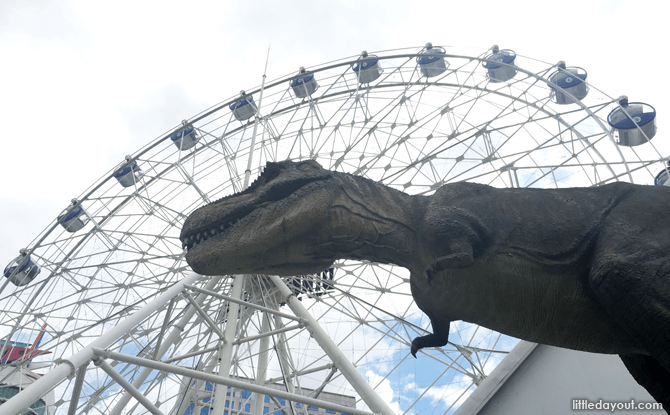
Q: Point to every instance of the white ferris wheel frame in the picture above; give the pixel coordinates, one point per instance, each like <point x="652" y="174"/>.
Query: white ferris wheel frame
<point x="629" y="166"/>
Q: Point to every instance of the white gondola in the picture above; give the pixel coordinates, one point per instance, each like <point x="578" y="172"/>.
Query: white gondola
<point x="21" y="270"/>
<point x="431" y="61"/>
<point x="305" y="85"/>
<point x="73" y="217"/>
<point x="368" y="70"/>
<point x="571" y="80"/>
<point x="128" y="173"/>
<point x="497" y="72"/>
<point x="244" y="108"/>
<point x="662" y="178"/>
<point x="186" y="138"/>
<point x="632" y="123"/>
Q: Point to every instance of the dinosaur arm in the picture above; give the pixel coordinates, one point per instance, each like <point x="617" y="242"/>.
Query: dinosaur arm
<point x="461" y="256"/>
<point x="430" y="340"/>
<point x="438" y="339"/>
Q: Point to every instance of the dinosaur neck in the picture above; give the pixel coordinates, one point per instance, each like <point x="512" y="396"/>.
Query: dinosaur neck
<point x="369" y="221"/>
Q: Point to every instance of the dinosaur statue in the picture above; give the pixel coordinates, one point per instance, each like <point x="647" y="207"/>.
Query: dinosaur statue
<point x="580" y="268"/>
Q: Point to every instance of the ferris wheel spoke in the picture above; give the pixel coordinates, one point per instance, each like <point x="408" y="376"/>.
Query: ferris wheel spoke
<point x="408" y="130"/>
<point x="552" y="169"/>
<point x="362" y="321"/>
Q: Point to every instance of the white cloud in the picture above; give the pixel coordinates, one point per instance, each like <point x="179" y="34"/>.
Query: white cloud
<point x="386" y="393"/>
<point x="452" y="394"/>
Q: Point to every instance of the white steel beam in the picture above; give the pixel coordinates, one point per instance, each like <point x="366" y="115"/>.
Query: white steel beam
<point x="190" y="392"/>
<point x="318" y="390"/>
<point x="369" y="396"/>
<point x="76" y="391"/>
<point x="226" y="350"/>
<point x="244" y="303"/>
<point x="47" y="382"/>
<point x="187" y="355"/>
<point x="164" y="327"/>
<point x="204" y="316"/>
<point x="305" y="372"/>
<point x="165" y="345"/>
<point x="220" y="380"/>
<point x="285" y="363"/>
<point x="121" y="381"/>
<point x="262" y="367"/>
<point x="269" y="333"/>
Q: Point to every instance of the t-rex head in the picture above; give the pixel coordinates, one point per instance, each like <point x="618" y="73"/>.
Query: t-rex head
<point x="267" y="228"/>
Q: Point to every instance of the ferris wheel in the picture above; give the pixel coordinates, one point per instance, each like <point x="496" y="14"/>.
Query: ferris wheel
<point x="128" y="328"/>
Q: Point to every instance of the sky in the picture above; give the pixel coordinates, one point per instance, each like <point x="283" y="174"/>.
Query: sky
<point x="84" y="84"/>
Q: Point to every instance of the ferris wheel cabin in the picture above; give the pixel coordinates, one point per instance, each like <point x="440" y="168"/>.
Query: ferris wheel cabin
<point x="570" y="80"/>
<point x="185" y="138"/>
<point x="431" y="61"/>
<point x="662" y="178"/>
<point x="633" y="123"/>
<point x="72" y="218"/>
<point x="504" y="72"/>
<point x="304" y="86"/>
<point x="368" y="70"/>
<point x="244" y="108"/>
<point x="21" y="270"/>
<point x="128" y="173"/>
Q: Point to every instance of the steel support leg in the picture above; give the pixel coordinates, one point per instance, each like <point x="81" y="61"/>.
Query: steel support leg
<point x="369" y="396"/>
<point x="226" y="350"/>
<point x="76" y="391"/>
<point x="285" y="363"/>
<point x="261" y="369"/>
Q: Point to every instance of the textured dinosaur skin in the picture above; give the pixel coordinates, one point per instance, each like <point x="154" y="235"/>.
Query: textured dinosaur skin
<point x="580" y="268"/>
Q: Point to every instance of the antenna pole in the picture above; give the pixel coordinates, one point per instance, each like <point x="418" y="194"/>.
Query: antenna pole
<point x="247" y="172"/>
<point x="226" y="349"/>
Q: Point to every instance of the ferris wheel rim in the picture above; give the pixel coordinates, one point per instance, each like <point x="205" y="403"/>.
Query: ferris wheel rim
<point x="145" y="184"/>
<point x="159" y="140"/>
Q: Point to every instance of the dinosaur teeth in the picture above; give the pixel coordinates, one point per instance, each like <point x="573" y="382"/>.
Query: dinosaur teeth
<point x="202" y="236"/>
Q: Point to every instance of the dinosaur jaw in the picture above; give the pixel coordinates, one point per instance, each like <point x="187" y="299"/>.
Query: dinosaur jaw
<point x="211" y="223"/>
<point x="278" y="181"/>
<point x="256" y="235"/>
